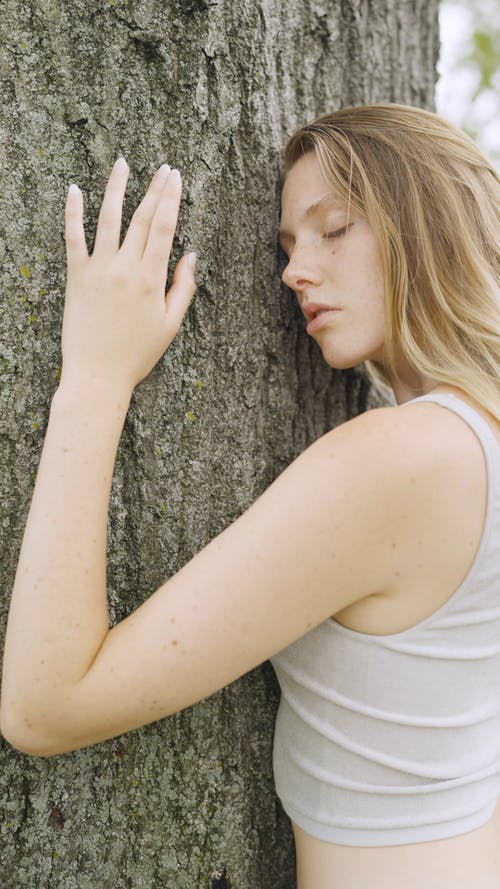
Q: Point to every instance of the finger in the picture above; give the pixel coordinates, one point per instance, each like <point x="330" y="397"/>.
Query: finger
<point x="107" y="239"/>
<point x="162" y="230"/>
<point x="74" y="233"/>
<point x="181" y="292"/>
<point x="136" y="238"/>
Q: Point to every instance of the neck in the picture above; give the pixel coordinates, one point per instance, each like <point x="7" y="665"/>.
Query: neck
<point x="407" y="383"/>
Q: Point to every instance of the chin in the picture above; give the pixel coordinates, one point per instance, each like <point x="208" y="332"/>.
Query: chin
<point x="340" y="361"/>
<point x="343" y="359"/>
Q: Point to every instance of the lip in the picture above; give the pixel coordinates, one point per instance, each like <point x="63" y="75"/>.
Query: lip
<point x="309" y="309"/>
<point x="322" y="319"/>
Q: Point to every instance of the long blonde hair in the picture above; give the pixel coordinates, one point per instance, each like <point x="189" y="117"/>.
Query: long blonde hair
<point x="433" y="201"/>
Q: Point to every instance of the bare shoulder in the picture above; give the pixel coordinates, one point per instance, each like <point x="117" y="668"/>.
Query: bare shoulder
<point x="394" y="436"/>
<point x="441" y="452"/>
<point x="439" y="533"/>
<point x="433" y="466"/>
<point x="426" y="430"/>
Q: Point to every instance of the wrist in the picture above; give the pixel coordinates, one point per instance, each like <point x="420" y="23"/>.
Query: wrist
<point x="92" y="392"/>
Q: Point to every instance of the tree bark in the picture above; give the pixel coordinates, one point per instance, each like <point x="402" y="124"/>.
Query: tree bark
<point x="213" y="87"/>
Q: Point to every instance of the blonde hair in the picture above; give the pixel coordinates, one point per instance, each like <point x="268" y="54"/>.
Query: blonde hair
<point x="433" y="201"/>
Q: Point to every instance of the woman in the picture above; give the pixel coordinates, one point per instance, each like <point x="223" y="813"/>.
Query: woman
<point x="387" y="740"/>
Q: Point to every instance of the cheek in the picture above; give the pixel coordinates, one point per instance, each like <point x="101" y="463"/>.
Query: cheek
<point x="365" y="285"/>
<point x="369" y="275"/>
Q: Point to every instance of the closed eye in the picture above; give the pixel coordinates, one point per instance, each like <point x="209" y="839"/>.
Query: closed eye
<point x="335" y="234"/>
<point x="338" y="232"/>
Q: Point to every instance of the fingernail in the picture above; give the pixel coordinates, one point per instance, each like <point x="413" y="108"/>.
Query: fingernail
<point x="175" y="176"/>
<point x="163" y="169"/>
<point x="192" y="259"/>
<point x="73" y="189"/>
<point x="121" y="164"/>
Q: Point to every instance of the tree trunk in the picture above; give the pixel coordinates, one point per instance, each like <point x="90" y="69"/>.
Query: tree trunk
<point x="213" y="87"/>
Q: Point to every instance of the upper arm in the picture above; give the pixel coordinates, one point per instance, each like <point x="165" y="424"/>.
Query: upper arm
<point x="314" y="542"/>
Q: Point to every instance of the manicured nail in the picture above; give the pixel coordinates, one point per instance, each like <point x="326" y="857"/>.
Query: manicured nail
<point x="121" y="164"/>
<point x="73" y="189"/>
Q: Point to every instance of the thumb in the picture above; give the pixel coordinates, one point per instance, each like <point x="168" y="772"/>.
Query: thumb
<point x="183" y="288"/>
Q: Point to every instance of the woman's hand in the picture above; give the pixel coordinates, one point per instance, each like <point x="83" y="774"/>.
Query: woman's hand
<point x="118" y="321"/>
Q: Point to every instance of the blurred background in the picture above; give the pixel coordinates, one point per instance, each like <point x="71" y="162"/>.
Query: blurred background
<point x="468" y="89"/>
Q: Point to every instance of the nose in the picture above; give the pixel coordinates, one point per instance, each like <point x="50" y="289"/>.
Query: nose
<point x="300" y="272"/>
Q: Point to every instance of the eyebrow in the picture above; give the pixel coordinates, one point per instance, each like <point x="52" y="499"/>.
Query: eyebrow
<point x="326" y="199"/>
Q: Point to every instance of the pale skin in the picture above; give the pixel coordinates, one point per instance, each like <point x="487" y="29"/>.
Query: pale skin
<point x="69" y="680"/>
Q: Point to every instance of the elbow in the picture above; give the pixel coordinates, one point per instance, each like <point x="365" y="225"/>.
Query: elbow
<point x="25" y="739"/>
<point x="27" y="748"/>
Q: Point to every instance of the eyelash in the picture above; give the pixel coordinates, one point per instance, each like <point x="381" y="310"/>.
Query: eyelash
<point x="338" y="232"/>
<point x="335" y="234"/>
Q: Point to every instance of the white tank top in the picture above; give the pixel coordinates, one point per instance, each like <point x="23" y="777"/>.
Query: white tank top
<point x="385" y="740"/>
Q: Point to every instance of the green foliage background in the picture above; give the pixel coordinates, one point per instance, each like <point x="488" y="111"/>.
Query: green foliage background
<point x="479" y="54"/>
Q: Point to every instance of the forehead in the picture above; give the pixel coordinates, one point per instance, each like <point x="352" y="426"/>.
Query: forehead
<point x="305" y="190"/>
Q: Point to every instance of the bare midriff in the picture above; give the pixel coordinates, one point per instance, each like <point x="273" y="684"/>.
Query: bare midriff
<point x="468" y="861"/>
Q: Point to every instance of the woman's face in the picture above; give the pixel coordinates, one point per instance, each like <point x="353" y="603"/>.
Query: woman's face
<point x="341" y="270"/>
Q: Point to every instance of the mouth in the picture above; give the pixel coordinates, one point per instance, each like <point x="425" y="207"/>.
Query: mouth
<point x="311" y="308"/>
<point x="321" y="318"/>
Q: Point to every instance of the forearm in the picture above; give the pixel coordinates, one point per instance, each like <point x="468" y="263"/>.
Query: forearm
<point x="58" y="613"/>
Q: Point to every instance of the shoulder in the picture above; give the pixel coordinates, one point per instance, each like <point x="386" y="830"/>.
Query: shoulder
<point x="424" y="433"/>
<point x="385" y="439"/>
<point x="430" y="463"/>
<point x="397" y="460"/>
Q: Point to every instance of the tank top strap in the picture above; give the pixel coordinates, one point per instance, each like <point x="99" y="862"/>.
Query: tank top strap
<point x="482" y="429"/>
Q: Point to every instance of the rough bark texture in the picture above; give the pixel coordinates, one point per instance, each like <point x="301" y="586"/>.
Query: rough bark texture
<point x="213" y="88"/>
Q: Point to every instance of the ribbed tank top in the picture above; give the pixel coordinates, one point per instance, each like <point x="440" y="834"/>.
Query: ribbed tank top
<point x="385" y="740"/>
